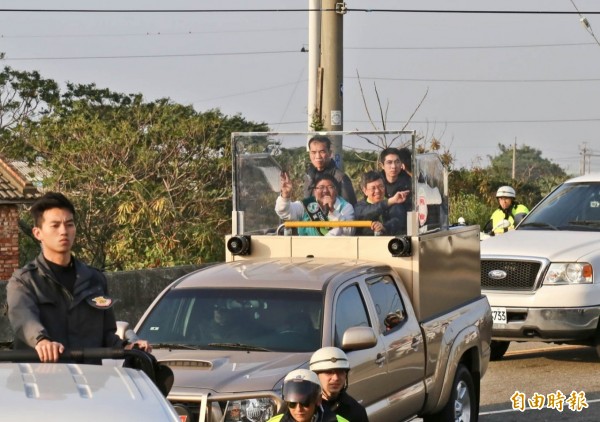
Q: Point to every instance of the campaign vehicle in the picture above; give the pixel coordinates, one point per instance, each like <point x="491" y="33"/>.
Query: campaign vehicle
<point x="35" y="391"/>
<point x="541" y="278"/>
<point x="407" y="309"/>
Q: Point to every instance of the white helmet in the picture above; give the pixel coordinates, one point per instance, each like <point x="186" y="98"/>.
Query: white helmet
<point x="505" y="192"/>
<point x="301" y="386"/>
<point x="327" y="358"/>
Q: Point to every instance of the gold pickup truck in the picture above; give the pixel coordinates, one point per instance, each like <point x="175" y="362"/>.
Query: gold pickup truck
<point x="407" y="309"/>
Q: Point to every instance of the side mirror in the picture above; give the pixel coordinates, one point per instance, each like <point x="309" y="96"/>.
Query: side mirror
<point x="357" y="338"/>
<point x="122" y="327"/>
<point x="126" y="333"/>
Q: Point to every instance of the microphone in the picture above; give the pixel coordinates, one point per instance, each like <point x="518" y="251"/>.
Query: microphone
<point x="326" y="209"/>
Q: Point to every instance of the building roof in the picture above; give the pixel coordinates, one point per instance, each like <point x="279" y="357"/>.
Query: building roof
<point x="16" y="183"/>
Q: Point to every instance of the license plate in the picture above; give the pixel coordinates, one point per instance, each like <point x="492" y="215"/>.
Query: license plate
<point x="499" y="315"/>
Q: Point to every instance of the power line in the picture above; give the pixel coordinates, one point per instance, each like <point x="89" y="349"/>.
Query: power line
<point x="154" y="34"/>
<point x="475" y="47"/>
<point x="368" y="10"/>
<point x="474" y="80"/>
<point x="151" y="56"/>
<point x="461" y="122"/>
<point x="261" y="30"/>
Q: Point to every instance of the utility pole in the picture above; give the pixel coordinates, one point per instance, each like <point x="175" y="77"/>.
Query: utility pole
<point x="332" y="63"/>
<point x="314" y="63"/>
<point x="583" y="156"/>
<point x="514" y="163"/>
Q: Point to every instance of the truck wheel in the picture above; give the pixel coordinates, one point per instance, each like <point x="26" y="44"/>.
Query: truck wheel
<point x="498" y="349"/>
<point x="462" y="406"/>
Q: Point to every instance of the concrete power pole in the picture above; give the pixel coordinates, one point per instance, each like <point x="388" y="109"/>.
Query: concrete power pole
<point x="332" y="63"/>
<point x="314" y="62"/>
<point x="514" y="163"/>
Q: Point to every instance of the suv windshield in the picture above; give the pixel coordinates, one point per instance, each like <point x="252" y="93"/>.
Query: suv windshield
<point x="572" y="206"/>
<point x="248" y="319"/>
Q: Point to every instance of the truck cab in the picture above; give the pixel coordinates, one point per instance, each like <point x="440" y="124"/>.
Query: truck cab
<point x="407" y="309"/>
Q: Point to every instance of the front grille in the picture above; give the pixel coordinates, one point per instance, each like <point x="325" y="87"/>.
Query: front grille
<point x="520" y="275"/>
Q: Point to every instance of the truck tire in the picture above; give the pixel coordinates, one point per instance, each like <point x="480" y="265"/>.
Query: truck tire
<point x="498" y="349"/>
<point x="463" y="403"/>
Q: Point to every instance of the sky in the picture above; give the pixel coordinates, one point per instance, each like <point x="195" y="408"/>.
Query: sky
<point x="483" y="78"/>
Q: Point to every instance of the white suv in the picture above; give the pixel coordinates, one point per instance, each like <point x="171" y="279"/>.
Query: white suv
<point x="540" y="278"/>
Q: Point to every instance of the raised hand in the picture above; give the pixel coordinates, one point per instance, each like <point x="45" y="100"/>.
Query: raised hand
<point x="285" y="185"/>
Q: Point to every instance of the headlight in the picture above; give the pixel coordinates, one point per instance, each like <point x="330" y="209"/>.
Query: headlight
<point x="256" y="410"/>
<point x="569" y="273"/>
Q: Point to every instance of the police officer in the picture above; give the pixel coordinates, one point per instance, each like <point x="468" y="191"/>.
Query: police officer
<point x="508" y="209"/>
<point x="57" y="302"/>
<point x="302" y="395"/>
<point x="332" y="367"/>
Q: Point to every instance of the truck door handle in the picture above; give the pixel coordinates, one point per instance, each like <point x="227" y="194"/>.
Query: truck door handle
<point x="380" y="359"/>
<point x="414" y="344"/>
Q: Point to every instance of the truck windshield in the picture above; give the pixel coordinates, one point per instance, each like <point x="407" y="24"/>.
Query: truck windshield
<point x="572" y="206"/>
<point x="248" y="319"/>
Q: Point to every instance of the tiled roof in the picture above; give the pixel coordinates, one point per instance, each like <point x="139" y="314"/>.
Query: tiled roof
<point x="15" y="186"/>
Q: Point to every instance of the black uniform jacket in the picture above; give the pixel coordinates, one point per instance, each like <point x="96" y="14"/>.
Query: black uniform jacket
<point x="40" y="307"/>
<point x="346" y="406"/>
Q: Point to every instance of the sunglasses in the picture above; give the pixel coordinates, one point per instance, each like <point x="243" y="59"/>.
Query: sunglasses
<point x="292" y="404"/>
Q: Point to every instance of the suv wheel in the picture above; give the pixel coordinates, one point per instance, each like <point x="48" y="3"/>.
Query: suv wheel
<point x="499" y="348"/>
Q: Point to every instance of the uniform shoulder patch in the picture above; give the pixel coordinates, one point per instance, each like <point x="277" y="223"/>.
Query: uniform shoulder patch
<point x="100" y="302"/>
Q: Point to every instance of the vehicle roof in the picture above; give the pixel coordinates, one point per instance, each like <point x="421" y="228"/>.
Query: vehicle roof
<point x="292" y="273"/>
<point x="590" y="177"/>
<point x="68" y="392"/>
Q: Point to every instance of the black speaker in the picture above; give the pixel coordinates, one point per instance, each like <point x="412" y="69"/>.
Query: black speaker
<point x="400" y="246"/>
<point x="239" y="245"/>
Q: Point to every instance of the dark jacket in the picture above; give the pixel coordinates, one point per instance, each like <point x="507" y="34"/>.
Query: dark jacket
<point x="345" y="405"/>
<point x="344" y="184"/>
<point x="403" y="182"/>
<point x="393" y="217"/>
<point x="40" y="307"/>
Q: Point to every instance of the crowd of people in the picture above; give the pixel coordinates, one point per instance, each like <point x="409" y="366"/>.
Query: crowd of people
<point x="329" y="194"/>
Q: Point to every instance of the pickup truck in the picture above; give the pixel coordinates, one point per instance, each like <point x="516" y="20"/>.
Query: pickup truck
<point x="407" y="310"/>
<point x="541" y="278"/>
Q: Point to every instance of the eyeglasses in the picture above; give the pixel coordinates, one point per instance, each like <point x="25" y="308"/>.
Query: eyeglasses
<point x="322" y="188"/>
<point x="390" y="162"/>
<point x="292" y="404"/>
<point x="374" y="189"/>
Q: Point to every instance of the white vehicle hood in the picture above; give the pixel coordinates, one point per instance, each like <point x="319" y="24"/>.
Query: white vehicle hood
<point x="73" y="392"/>
<point x="555" y="245"/>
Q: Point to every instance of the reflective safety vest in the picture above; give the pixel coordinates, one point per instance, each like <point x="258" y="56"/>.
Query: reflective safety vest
<point x="514" y="217"/>
<point x="277" y="418"/>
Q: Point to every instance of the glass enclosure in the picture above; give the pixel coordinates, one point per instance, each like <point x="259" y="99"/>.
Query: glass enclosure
<point x="260" y="158"/>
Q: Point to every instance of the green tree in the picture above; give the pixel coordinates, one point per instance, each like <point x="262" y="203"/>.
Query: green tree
<point x="473" y="192"/>
<point x="24" y="97"/>
<point x="151" y="181"/>
<point x="529" y="164"/>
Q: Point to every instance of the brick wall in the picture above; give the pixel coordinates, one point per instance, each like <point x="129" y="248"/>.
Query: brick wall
<point x="9" y="240"/>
